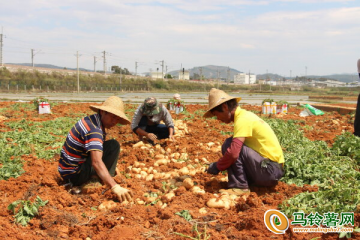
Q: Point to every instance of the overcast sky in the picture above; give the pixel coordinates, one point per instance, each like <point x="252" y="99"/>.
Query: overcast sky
<point x="297" y="37"/>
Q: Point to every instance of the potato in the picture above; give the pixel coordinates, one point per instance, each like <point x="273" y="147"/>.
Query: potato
<point x="161" y="162"/>
<point x="168" y="197"/>
<point x="136" y="170"/>
<point x="210" y="144"/>
<point x="197" y="190"/>
<point x="149" y="178"/>
<point x="140" y="202"/>
<point x="136" y="164"/>
<point x="167" y="176"/>
<point x="188" y="183"/>
<point x="150" y="170"/>
<point x="174" y="174"/>
<point x="168" y="150"/>
<point x="218" y="203"/>
<point x="139" y="144"/>
<point x="184" y="171"/>
<point x="203" y="210"/>
<point x="159" y="156"/>
<point x="107" y="205"/>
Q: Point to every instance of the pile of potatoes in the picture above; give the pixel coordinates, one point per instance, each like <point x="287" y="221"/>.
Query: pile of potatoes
<point x="176" y="177"/>
<point x="180" y="128"/>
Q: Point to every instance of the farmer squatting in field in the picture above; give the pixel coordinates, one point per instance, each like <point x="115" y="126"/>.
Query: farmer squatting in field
<point x="87" y="154"/>
<point x="253" y="154"/>
<point x="146" y="121"/>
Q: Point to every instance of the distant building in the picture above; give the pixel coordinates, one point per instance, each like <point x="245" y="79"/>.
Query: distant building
<point x="329" y="83"/>
<point x="184" y="75"/>
<point x="243" y="78"/>
<point x="157" y="75"/>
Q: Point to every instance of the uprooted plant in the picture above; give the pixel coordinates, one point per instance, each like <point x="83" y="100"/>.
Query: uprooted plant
<point x="26" y="210"/>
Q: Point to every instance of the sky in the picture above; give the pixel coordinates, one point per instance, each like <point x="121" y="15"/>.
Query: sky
<point x="285" y="37"/>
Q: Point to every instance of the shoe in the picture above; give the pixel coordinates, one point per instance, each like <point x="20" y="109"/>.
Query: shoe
<point x="235" y="191"/>
<point x="91" y="186"/>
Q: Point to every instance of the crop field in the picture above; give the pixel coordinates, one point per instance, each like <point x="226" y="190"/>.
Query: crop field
<point x="174" y="198"/>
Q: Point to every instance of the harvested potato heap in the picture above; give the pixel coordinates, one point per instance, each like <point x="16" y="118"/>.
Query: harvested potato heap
<point x="180" y="128"/>
<point x="174" y="178"/>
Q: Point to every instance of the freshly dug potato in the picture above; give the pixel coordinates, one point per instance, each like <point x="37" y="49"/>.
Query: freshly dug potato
<point x="161" y="162"/>
<point x="184" y="171"/>
<point x="139" y="144"/>
<point x="168" y="197"/>
<point x="159" y="156"/>
<point x="197" y="190"/>
<point x="218" y="203"/>
<point x="107" y="205"/>
<point x="188" y="183"/>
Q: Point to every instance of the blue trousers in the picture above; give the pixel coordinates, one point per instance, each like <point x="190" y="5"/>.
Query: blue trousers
<point x="160" y="130"/>
<point x="251" y="168"/>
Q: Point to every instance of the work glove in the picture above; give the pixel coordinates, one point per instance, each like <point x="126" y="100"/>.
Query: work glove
<point x="122" y="193"/>
<point x="213" y="169"/>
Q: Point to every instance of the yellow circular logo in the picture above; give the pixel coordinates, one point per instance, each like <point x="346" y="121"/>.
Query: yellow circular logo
<point x="276" y="221"/>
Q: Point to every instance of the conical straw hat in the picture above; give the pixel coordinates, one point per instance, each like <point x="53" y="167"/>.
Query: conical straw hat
<point x="115" y="106"/>
<point x="216" y="98"/>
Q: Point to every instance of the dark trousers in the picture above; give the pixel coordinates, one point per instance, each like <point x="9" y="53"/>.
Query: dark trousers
<point x="160" y="130"/>
<point x="252" y="168"/>
<point x="111" y="150"/>
<point x="357" y="118"/>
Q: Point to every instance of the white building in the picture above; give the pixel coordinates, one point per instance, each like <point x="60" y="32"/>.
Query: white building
<point x="243" y="78"/>
<point x="157" y="75"/>
<point x="184" y="75"/>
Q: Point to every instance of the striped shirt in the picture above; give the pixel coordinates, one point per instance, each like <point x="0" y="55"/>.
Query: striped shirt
<point x="85" y="136"/>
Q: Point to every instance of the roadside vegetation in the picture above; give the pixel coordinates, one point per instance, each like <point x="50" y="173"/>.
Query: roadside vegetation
<point x="21" y="80"/>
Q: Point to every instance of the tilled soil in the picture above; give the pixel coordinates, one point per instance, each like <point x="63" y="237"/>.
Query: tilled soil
<point x="77" y="216"/>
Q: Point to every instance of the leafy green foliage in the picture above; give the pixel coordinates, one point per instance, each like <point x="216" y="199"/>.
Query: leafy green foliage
<point x="26" y="209"/>
<point x="314" y="163"/>
<point x="185" y="214"/>
<point x="348" y="144"/>
<point x="43" y="139"/>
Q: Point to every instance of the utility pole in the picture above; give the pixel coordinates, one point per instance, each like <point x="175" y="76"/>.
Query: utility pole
<point x="228" y="75"/>
<point x="200" y="73"/>
<point x="162" y="69"/>
<point x="136" y="68"/>
<point x="120" y="78"/>
<point x="95" y="64"/>
<point x="104" y="56"/>
<point x="1" y="47"/>
<point x="166" y="69"/>
<point x="32" y="57"/>
<point x="77" y="66"/>
<point x="180" y="72"/>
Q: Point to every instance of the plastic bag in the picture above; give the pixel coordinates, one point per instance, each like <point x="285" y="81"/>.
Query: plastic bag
<point x="313" y="110"/>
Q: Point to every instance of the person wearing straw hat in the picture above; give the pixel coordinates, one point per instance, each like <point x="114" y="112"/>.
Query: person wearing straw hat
<point x="87" y="155"/>
<point x="253" y="154"/>
<point x="146" y="121"/>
